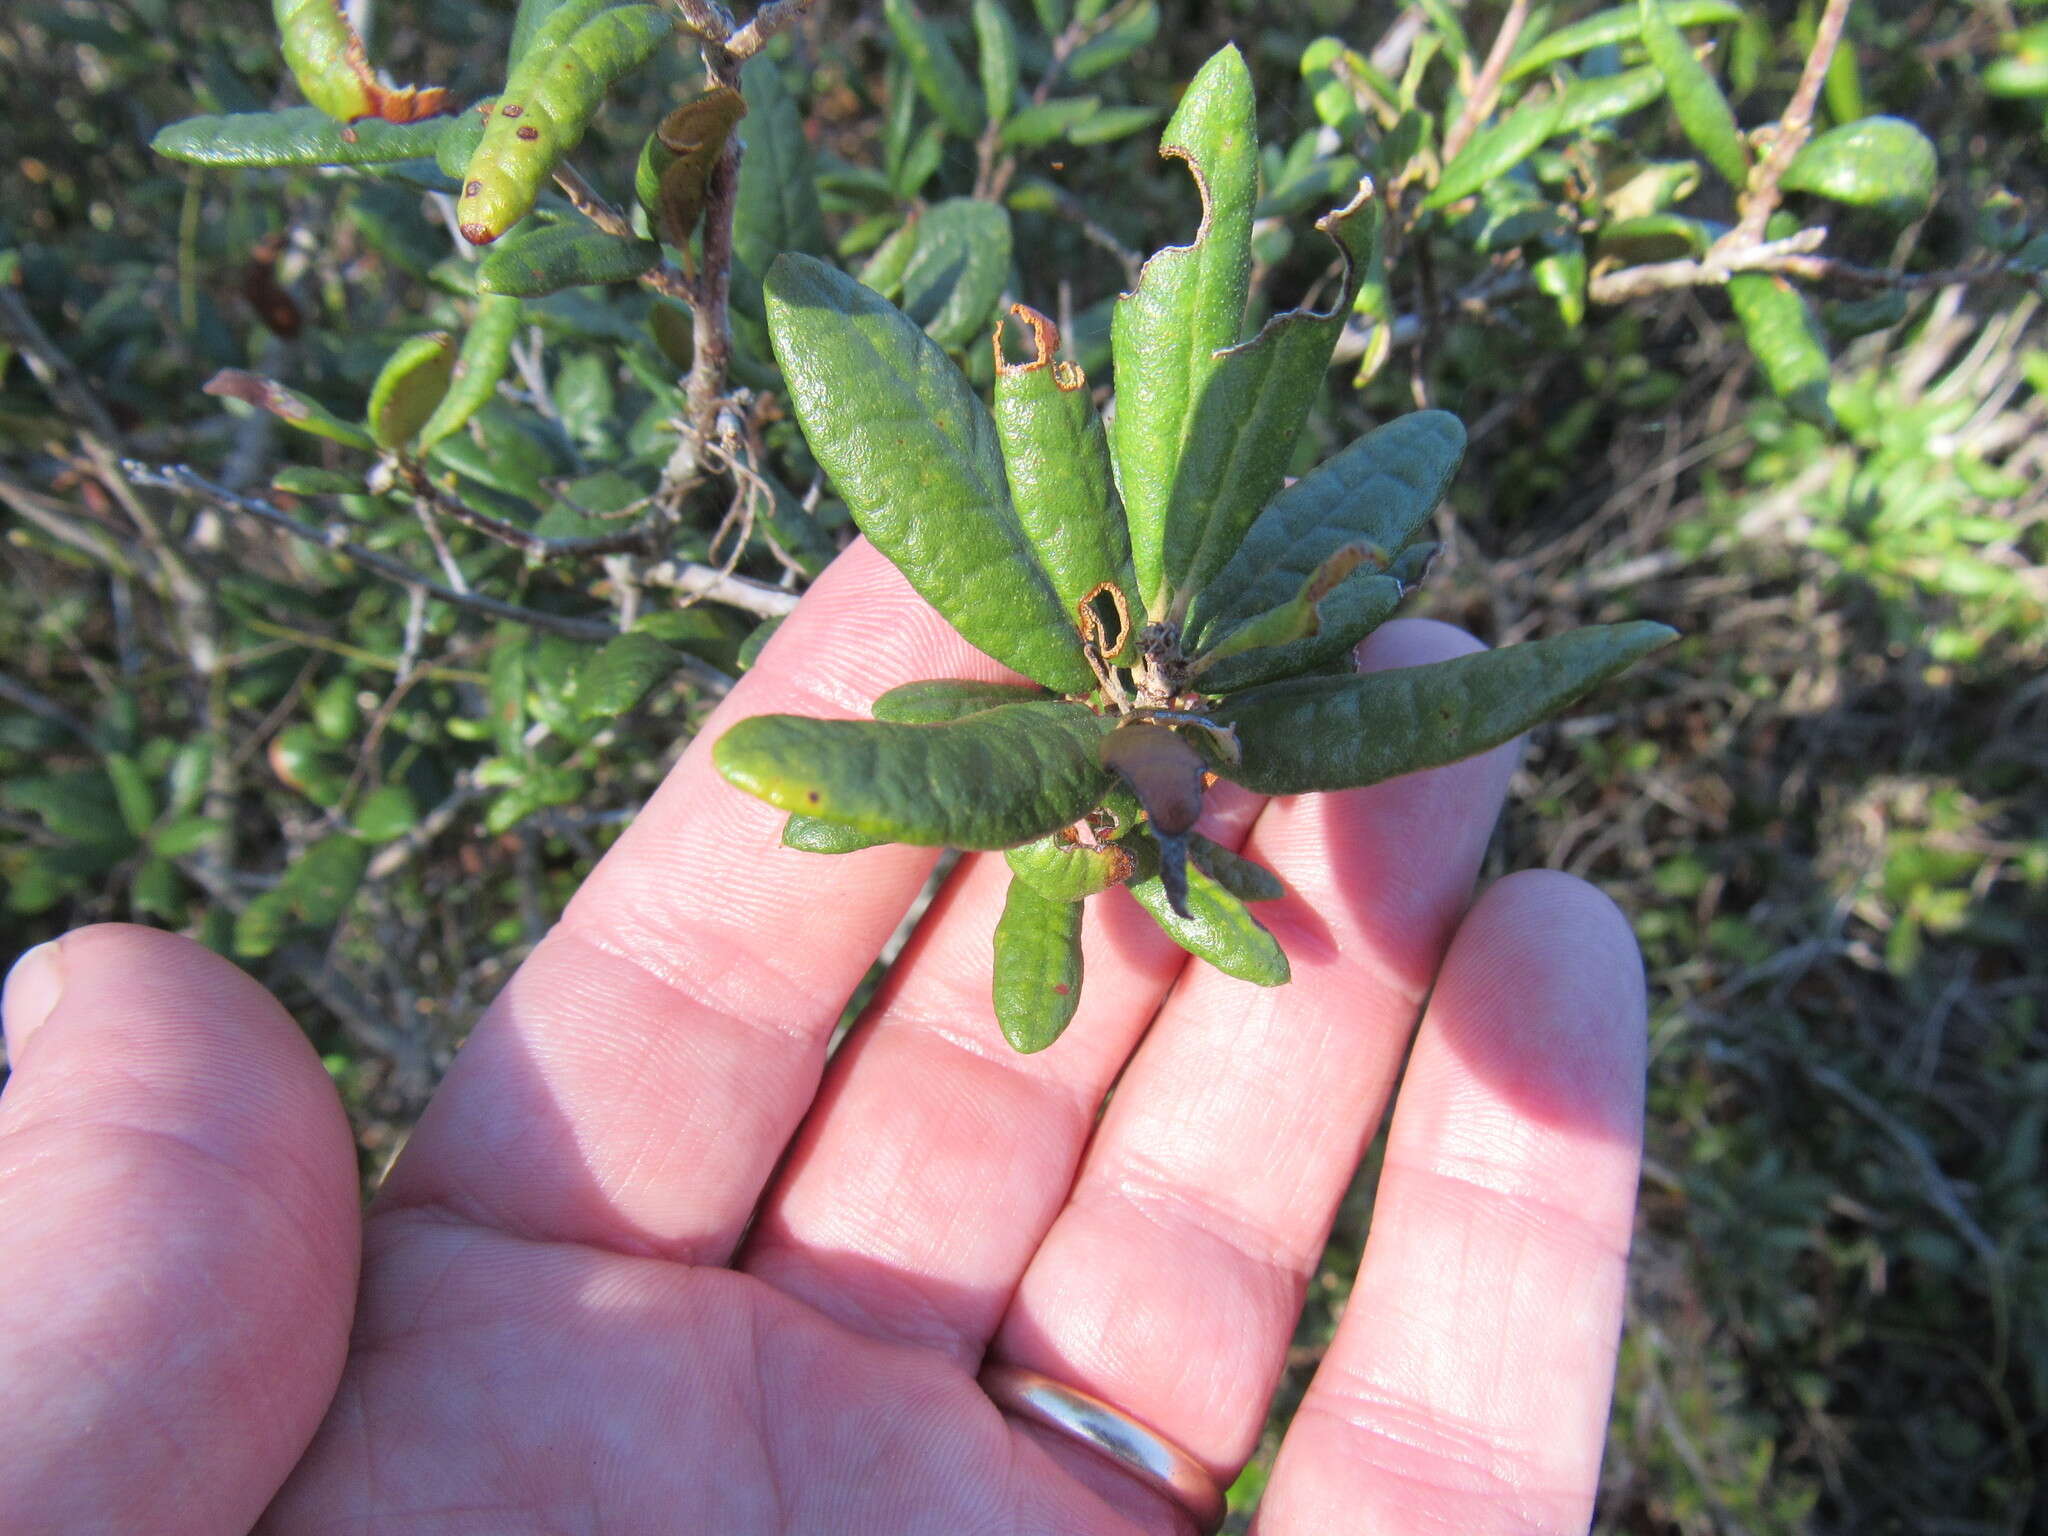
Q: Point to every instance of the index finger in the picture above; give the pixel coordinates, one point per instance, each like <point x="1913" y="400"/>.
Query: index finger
<point x="637" y="1079"/>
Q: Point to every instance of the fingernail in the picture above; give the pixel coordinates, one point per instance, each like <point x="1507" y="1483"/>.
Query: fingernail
<point x="33" y="987"/>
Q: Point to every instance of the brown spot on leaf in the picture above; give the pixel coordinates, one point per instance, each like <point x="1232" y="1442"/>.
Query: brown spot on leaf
<point x="528" y="131"/>
<point x="512" y="109"/>
<point x="1061" y="987"/>
<point x="813" y="797"/>
<point x="473" y="189"/>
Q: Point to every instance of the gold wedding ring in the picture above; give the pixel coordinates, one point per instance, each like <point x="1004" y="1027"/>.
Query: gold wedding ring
<point x="1144" y="1453"/>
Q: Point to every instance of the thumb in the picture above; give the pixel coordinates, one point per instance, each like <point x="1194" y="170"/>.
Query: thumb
<point x="178" y="1239"/>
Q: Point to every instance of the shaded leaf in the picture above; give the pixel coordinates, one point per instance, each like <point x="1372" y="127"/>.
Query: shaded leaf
<point x="409" y="386"/>
<point x="777" y="206"/>
<point x="957" y="268"/>
<point x="297" y="136"/>
<point x="1244" y="878"/>
<point x="1322" y="733"/>
<point x="1044" y="121"/>
<point x="1359" y="605"/>
<point x="1378" y="491"/>
<point x="1218" y="927"/>
<point x="1037" y="967"/>
<point x="1124" y="36"/>
<point x="914" y="455"/>
<point x="622" y="673"/>
<point x="935" y="67"/>
<point x="1253" y="406"/>
<point x="676" y="163"/>
<point x="550" y="257"/>
<point x="990" y="780"/>
<point x="995" y="38"/>
<point x="320" y="883"/>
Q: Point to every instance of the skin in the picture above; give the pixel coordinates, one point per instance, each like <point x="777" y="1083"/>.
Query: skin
<point x="651" y="1263"/>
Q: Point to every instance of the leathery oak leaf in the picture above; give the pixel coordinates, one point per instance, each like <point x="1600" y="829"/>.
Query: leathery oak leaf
<point x="1180" y="614"/>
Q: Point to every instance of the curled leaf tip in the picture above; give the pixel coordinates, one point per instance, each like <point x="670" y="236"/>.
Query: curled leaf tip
<point x="1045" y="340"/>
<point x="1329" y="222"/>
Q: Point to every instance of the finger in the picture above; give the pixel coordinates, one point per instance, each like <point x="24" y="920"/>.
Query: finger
<point x="936" y="1156"/>
<point x="1467" y="1387"/>
<point x="637" y="1079"/>
<point x="178" y="1239"/>
<point x="1171" y="1283"/>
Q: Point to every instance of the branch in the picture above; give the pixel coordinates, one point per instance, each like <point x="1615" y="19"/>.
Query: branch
<point x="768" y="21"/>
<point x="186" y="481"/>
<point x="1486" y="89"/>
<point x="1760" y="199"/>
<point x="695" y="580"/>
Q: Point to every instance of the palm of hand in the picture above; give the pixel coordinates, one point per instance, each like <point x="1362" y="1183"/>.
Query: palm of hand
<point x="650" y="1264"/>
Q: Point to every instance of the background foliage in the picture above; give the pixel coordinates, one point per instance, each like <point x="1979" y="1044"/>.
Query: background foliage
<point x="1824" y="808"/>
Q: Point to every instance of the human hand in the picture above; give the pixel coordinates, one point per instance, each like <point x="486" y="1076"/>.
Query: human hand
<point x="650" y="1263"/>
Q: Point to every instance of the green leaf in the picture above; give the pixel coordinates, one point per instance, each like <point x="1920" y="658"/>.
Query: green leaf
<point x="1328" y="69"/>
<point x="287" y="405"/>
<point x="321" y="882"/>
<point x="1243" y="878"/>
<point x="1702" y="110"/>
<point x="1379" y="491"/>
<point x="575" y="55"/>
<point x="813" y="834"/>
<point x="1038" y="967"/>
<point x="990" y="780"/>
<point x="1358" y="606"/>
<point x="884" y="268"/>
<point x="526" y="25"/>
<point x="1610" y="28"/>
<point x="1187" y="310"/>
<point x="185" y="834"/>
<point x="460" y="138"/>
<point x="621" y="674"/>
<point x="914" y="455"/>
<point x="549" y="257"/>
<point x="132" y="793"/>
<point x="1781" y="330"/>
<point x="937" y="700"/>
<point x="1045" y="121"/>
<point x="1111" y="123"/>
<point x="486" y="353"/>
<point x="1322" y="733"/>
<point x="1250" y="415"/>
<point x="386" y="813"/>
<point x="1300" y="617"/>
<point x="1561" y="273"/>
<point x="996" y="38"/>
<point x="1587" y="102"/>
<point x="1496" y="151"/>
<point x="262" y="925"/>
<point x="309" y="480"/>
<point x="1052" y="15"/>
<point x="297" y="136"/>
<point x="1654" y="237"/>
<point x="409" y="386"/>
<point x="935" y="67"/>
<point x="1124" y="36"/>
<point x="777" y="206"/>
<point x="957" y="269"/>
<point x="1060" y="869"/>
<point x="1883" y="163"/>
<point x="1218" y="927"/>
<point x="1056" y="456"/>
<point x="156" y="890"/>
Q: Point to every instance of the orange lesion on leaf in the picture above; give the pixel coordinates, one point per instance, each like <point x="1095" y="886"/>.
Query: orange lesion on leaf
<point x="1045" y="341"/>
